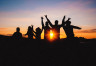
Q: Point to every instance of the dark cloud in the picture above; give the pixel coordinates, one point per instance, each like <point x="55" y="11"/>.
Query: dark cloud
<point x="94" y="29"/>
<point x="88" y="31"/>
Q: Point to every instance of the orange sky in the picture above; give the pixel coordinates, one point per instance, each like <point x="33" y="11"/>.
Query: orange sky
<point x="29" y="12"/>
<point x="78" y="33"/>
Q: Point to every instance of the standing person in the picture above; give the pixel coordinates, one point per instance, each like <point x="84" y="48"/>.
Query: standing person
<point x="55" y="28"/>
<point x="17" y="34"/>
<point x="30" y="32"/>
<point x="68" y="28"/>
<point x="46" y="29"/>
<point x="38" y="33"/>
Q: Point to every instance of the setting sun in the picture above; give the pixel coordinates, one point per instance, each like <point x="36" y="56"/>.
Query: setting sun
<point x="51" y="34"/>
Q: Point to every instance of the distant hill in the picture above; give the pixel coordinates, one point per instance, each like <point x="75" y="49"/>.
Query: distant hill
<point x="4" y="37"/>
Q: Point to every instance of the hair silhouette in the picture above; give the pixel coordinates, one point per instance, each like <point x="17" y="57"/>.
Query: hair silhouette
<point x="30" y="32"/>
<point x="38" y="33"/>
<point x="17" y="34"/>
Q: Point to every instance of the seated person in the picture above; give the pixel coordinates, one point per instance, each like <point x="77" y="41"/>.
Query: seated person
<point x="17" y="34"/>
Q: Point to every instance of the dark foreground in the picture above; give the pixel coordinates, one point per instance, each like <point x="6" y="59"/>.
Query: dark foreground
<point x="43" y="53"/>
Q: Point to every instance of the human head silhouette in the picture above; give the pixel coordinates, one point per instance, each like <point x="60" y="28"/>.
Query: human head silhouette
<point x="68" y="23"/>
<point x="17" y="29"/>
<point x="46" y="23"/>
<point x="29" y="27"/>
<point x="38" y="29"/>
<point x="56" y="22"/>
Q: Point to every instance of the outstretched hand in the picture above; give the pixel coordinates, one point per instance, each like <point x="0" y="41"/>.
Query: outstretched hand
<point x="45" y="15"/>
<point x="69" y="19"/>
<point x="80" y="28"/>
<point x="64" y="16"/>
<point x="42" y="18"/>
<point x="31" y="25"/>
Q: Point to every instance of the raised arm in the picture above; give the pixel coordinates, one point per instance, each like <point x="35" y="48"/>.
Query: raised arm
<point x="34" y="32"/>
<point x="42" y="22"/>
<point x="34" y="35"/>
<point x="68" y="19"/>
<point x="42" y="29"/>
<point x="63" y="21"/>
<point x="49" y="21"/>
<point x="26" y="33"/>
<point x="32" y="27"/>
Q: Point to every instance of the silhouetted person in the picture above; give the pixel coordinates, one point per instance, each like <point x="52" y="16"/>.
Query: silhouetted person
<point x="30" y="32"/>
<point x="38" y="33"/>
<point x="68" y="28"/>
<point x="55" y="28"/>
<point x="17" y="34"/>
<point x="46" y="29"/>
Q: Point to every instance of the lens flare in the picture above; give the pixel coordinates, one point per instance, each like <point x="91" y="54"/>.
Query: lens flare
<point x="51" y="34"/>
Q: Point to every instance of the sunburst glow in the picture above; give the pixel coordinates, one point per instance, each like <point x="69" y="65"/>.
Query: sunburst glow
<point x="51" y="35"/>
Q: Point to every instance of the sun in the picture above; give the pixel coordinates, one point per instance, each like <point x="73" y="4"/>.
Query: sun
<point x="51" y="35"/>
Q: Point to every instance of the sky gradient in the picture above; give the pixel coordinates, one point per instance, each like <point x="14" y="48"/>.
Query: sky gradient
<point x="23" y="13"/>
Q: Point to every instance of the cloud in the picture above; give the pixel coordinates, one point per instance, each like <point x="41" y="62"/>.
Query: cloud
<point x="3" y="28"/>
<point x="94" y="29"/>
<point x="87" y="31"/>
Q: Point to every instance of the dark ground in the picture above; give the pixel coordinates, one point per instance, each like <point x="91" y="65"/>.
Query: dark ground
<point x="62" y="52"/>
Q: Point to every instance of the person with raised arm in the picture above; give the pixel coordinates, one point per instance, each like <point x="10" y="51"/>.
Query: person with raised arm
<point x="68" y="28"/>
<point x="39" y="31"/>
<point x="46" y="29"/>
<point x="30" y="32"/>
<point x="55" y="28"/>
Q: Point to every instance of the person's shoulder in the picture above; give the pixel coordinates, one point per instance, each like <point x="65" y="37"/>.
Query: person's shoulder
<point x="21" y="33"/>
<point x="14" y="32"/>
<point x="64" y="26"/>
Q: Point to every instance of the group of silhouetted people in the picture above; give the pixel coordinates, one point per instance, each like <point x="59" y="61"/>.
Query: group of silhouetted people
<point x="55" y="28"/>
